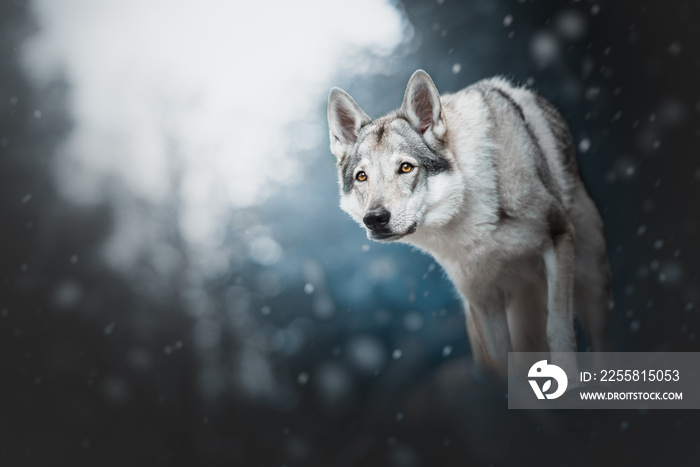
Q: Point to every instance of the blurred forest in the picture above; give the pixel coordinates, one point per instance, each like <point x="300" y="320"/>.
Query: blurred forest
<point x="178" y="285"/>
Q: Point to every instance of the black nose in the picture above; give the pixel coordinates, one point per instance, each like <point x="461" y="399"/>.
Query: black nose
<point x="377" y="218"/>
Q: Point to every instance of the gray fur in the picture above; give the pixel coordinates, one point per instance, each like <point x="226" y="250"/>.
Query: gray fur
<point x="496" y="198"/>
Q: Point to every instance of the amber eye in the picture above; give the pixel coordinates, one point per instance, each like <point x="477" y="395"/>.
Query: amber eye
<point x="361" y="176"/>
<point x="406" y="167"/>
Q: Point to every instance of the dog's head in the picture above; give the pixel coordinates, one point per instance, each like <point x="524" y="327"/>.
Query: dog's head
<point x="396" y="173"/>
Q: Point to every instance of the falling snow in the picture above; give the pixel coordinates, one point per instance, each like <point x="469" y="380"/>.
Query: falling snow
<point x="109" y="328"/>
<point x="175" y="247"/>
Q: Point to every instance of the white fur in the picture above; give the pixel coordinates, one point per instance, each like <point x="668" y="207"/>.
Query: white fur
<point x="517" y="275"/>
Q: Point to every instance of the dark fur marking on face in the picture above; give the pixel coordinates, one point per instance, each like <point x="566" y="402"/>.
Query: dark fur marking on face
<point x="541" y="167"/>
<point x="352" y="158"/>
<point x="415" y="145"/>
<point x="347" y="169"/>
<point x="349" y="164"/>
<point x="380" y="133"/>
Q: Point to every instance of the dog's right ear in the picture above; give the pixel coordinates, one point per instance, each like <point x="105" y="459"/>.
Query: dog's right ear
<point x="345" y="118"/>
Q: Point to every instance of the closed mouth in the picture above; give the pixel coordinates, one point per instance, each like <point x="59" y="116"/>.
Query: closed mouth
<point x="387" y="235"/>
<point x="381" y="236"/>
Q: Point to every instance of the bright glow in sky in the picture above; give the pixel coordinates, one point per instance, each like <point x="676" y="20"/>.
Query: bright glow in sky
<point x="194" y="99"/>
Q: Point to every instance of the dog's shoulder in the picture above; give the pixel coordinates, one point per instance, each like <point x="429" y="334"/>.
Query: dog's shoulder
<point x="521" y="116"/>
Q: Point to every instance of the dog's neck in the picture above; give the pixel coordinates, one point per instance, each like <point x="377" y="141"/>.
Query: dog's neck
<point x="452" y="243"/>
<point x="456" y="244"/>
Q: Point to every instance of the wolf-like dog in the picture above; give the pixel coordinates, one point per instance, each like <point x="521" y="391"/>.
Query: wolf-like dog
<point x="485" y="180"/>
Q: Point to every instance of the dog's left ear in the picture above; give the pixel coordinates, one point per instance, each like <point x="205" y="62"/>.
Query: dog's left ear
<point x="421" y="105"/>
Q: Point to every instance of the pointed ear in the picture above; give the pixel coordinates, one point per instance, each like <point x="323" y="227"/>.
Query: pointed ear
<point x="345" y="118"/>
<point x="421" y="105"/>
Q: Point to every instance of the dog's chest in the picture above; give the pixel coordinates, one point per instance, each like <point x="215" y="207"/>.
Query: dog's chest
<point x="489" y="265"/>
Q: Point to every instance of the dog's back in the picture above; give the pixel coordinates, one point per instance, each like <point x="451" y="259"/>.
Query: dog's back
<point x="531" y="141"/>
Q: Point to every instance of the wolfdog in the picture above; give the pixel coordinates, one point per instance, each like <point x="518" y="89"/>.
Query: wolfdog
<point x="486" y="181"/>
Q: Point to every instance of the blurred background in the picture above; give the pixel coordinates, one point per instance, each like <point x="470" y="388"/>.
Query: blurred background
<point x="178" y="285"/>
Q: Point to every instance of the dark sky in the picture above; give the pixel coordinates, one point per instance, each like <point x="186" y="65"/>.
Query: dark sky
<point x="292" y="340"/>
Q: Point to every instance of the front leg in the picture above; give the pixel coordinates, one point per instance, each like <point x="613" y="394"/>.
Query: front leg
<point x="559" y="264"/>
<point x="487" y="327"/>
